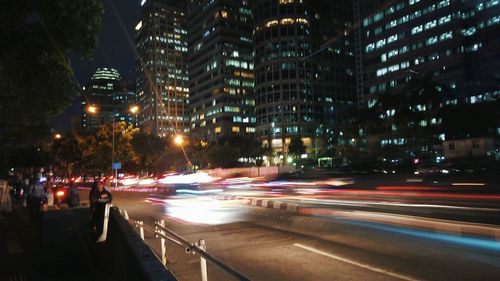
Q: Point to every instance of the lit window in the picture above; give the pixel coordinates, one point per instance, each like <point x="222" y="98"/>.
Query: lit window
<point x="380" y="43"/>
<point x="492" y="3"/>
<point x="431" y="40"/>
<point x="417" y="29"/>
<point x="443" y="3"/>
<point x="235" y="129"/>
<point x="271" y="23"/>
<point x="445" y="19"/>
<point x="287" y="21"/>
<point x="446" y="36"/>
<point x="392" y="38"/>
<point x="370" y="47"/>
<point x="392" y="53"/>
<point x="469" y="31"/>
<point x="391" y="24"/>
<point x="430" y="24"/>
<point x="378" y="16"/>
<point x="493" y="20"/>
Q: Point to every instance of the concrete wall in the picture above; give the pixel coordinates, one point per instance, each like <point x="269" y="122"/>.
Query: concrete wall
<point x="465" y="148"/>
<point x="131" y="259"/>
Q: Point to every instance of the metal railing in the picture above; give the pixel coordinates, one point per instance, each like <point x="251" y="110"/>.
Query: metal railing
<point x="197" y="248"/>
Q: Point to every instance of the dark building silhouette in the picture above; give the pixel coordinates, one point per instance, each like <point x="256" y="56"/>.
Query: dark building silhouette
<point x="454" y="42"/>
<point x="458" y="42"/>
<point x="304" y="73"/>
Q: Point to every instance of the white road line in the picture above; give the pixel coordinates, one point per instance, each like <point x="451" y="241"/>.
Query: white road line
<point x="375" y="269"/>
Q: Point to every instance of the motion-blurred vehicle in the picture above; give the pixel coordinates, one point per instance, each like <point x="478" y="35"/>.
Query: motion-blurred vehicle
<point x="309" y="179"/>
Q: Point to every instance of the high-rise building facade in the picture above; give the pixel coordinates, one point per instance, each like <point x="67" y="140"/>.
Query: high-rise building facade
<point x="111" y="96"/>
<point x="453" y="43"/>
<point x="304" y="72"/>
<point x="456" y="41"/>
<point x="162" y="74"/>
<point x="124" y="101"/>
<point x="221" y="77"/>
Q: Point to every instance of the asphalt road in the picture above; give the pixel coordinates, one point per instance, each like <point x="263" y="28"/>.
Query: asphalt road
<point x="268" y="244"/>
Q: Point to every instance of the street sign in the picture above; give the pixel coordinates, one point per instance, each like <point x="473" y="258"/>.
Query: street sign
<point x="116" y="165"/>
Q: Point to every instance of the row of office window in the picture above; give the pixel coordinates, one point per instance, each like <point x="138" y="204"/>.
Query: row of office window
<point x="380" y="15"/>
<point x="431" y="8"/>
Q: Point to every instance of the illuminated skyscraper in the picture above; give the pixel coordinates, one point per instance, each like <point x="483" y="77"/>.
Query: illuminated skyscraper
<point x="162" y="75"/>
<point x="453" y="43"/>
<point x="456" y="41"/>
<point x="304" y="72"/>
<point x="110" y="95"/>
<point x="220" y="68"/>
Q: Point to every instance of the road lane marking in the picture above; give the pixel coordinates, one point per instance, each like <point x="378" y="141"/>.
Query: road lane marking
<point x="365" y="266"/>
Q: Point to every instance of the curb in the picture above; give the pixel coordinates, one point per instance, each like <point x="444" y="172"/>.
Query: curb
<point x="456" y="228"/>
<point x="129" y="189"/>
<point x="264" y="203"/>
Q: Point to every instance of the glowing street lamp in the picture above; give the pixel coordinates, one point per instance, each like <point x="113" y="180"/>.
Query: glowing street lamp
<point x="92" y="109"/>
<point x="179" y="140"/>
<point x="134" y="109"/>
<point x="57" y="136"/>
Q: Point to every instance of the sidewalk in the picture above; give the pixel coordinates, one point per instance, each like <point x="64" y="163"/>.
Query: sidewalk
<point x="55" y="249"/>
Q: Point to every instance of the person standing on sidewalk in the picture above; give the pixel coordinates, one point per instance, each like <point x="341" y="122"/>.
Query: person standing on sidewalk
<point x="98" y="200"/>
<point x="37" y="194"/>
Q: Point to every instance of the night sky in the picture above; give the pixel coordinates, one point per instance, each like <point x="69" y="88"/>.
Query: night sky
<point x="116" y="49"/>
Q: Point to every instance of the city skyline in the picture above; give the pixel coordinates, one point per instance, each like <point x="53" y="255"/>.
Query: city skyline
<point x="301" y="77"/>
<point x="117" y="29"/>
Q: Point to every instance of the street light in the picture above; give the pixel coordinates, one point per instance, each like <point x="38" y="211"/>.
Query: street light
<point x="179" y="140"/>
<point x="57" y="136"/>
<point x="134" y="109"/>
<point x="92" y="109"/>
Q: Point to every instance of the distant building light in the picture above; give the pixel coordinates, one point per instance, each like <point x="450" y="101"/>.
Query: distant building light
<point x="138" y="26"/>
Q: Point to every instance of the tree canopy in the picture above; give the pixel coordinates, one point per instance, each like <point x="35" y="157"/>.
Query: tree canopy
<point x="36" y="77"/>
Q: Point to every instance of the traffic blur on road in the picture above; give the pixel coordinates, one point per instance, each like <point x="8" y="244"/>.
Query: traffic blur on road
<point x="328" y="227"/>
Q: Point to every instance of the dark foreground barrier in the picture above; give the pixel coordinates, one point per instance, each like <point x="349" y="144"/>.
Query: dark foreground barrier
<point x="129" y="257"/>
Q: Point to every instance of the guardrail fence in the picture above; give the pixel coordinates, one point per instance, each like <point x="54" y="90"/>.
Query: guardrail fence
<point x="199" y="247"/>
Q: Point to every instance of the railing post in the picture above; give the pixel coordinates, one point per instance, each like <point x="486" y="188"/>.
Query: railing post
<point x="105" y="223"/>
<point x="163" y="245"/>
<point x="203" y="262"/>
<point x="141" y="229"/>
